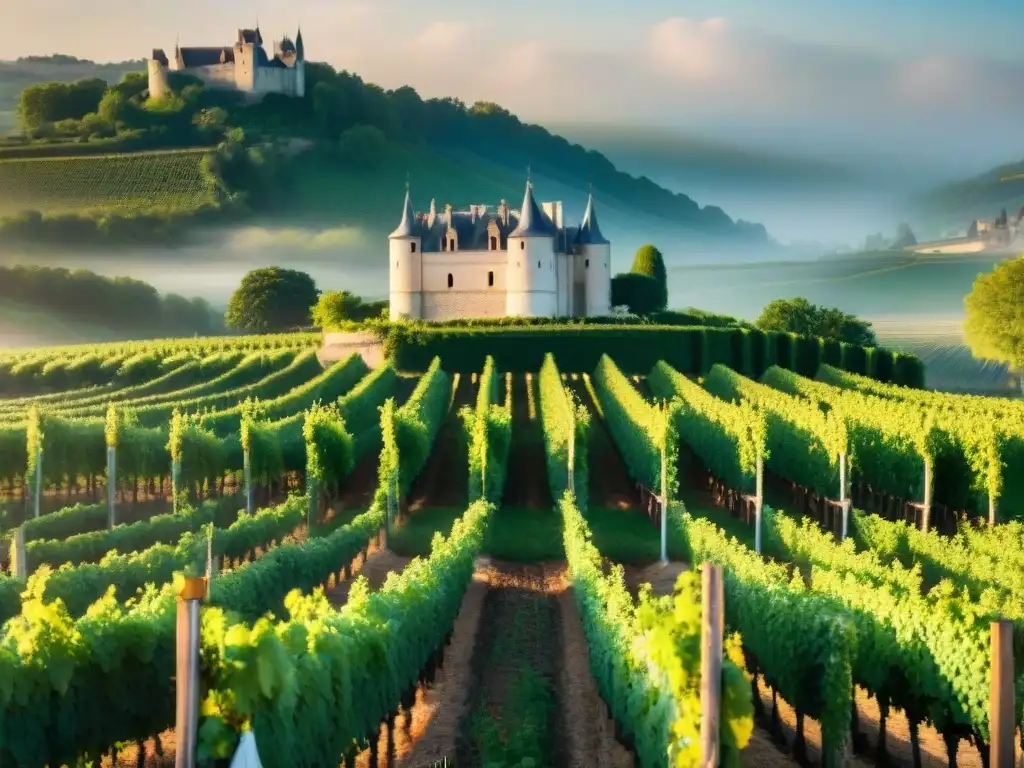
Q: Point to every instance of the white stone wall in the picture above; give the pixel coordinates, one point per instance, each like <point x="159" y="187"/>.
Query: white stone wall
<point x="449" y="305"/>
<point x="275" y="80"/>
<point x="470" y="271"/>
<point x="596" y="261"/>
<point x="215" y="75"/>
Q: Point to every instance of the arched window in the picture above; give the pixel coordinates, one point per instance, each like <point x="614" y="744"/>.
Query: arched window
<point x="538" y="265"/>
<point x="494" y="243"/>
<point x="490" y="279"/>
<point x="444" y="244"/>
<point x="522" y="245"/>
<point x="586" y="264"/>
<point x="398" y="264"/>
<point x="451" y="247"/>
<point x="412" y="246"/>
<point x="451" y="280"/>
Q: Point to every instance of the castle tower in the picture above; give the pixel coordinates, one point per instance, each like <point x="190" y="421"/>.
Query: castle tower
<point x="531" y="280"/>
<point x="156" y="67"/>
<point x="405" y="292"/>
<point x="595" y="251"/>
<point x="300" y="66"/>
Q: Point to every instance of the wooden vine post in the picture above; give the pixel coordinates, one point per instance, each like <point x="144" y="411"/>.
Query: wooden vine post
<point x="759" y="503"/>
<point x="571" y="479"/>
<point x="18" y="563"/>
<point x="993" y="509"/>
<point x="211" y="565"/>
<point x="1001" y="703"/>
<point x="186" y="679"/>
<point x="843" y="496"/>
<point x="663" y="501"/>
<point x="247" y="480"/>
<point x="712" y="631"/>
<point x="112" y="431"/>
<point x="38" y="492"/>
<point x="926" y="507"/>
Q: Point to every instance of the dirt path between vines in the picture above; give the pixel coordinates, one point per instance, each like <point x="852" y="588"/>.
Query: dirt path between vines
<point x="444" y="480"/>
<point x="527" y="486"/>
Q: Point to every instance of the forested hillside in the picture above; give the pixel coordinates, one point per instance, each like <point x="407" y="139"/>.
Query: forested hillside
<point x="353" y="127"/>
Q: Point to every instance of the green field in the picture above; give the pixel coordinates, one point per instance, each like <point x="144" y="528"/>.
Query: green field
<point x="949" y="364"/>
<point x="126" y="183"/>
<point x="884" y="283"/>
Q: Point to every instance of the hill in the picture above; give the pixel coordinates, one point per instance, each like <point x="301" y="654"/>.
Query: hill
<point x="664" y="154"/>
<point x="355" y="129"/>
<point x="124" y="183"/>
<point x="15" y="76"/>
<point x="958" y="202"/>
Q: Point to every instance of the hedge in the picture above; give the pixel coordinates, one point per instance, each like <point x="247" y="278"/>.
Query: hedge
<point x="634" y="348"/>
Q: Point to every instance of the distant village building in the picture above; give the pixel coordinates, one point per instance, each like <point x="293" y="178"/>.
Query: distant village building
<point x="1000" y="234"/>
<point x="243" y="67"/>
<point x="493" y="263"/>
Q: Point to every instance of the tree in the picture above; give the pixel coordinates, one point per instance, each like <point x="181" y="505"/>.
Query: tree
<point x="638" y="292"/>
<point x="335" y="308"/>
<point x="272" y="299"/>
<point x="650" y="263"/>
<point x="800" y="316"/>
<point x="789" y="316"/>
<point x="362" y="147"/>
<point x="994" y="323"/>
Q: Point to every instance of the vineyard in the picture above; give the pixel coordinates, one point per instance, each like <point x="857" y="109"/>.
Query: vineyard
<point x="949" y="364"/>
<point x="127" y="184"/>
<point x="381" y="567"/>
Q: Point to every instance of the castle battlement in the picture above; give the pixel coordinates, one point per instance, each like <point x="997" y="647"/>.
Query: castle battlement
<point x="491" y="262"/>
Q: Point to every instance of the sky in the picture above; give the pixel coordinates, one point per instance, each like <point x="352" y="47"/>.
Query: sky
<point x="929" y="80"/>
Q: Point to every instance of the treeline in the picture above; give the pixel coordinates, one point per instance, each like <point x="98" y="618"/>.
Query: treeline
<point x="120" y="303"/>
<point x="358" y="118"/>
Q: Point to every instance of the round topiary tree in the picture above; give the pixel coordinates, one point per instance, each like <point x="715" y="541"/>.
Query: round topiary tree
<point x="650" y="263"/>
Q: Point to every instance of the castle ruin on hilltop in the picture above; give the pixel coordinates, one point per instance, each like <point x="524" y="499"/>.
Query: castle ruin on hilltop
<point x="243" y="67"/>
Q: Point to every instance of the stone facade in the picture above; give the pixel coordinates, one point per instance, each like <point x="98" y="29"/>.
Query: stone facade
<point x="244" y="66"/>
<point x="483" y="263"/>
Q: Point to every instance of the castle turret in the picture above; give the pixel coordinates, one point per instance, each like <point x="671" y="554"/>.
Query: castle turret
<point x="406" y="265"/>
<point x="531" y="280"/>
<point x="300" y="66"/>
<point x="595" y="251"/>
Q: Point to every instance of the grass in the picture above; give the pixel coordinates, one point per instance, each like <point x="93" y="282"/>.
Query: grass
<point x="22" y="325"/>
<point x="164" y="181"/>
<point x="535" y="535"/>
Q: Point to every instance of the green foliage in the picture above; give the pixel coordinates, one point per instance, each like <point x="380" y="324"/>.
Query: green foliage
<point x="256" y="672"/>
<point x="489" y="431"/>
<point x="272" y="299"/>
<point x="640" y="293"/>
<point x="940" y="641"/>
<point x="564" y="420"/>
<point x="802" y="317"/>
<point x="801" y="642"/>
<point x="336" y="308"/>
<point x="646" y="659"/>
<point x="52" y="102"/>
<point x="409" y="431"/>
<point x="641" y="431"/>
<point x="803" y="442"/>
<point x="362" y="147"/>
<point x="650" y="263"/>
<point x="329" y="448"/>
<point x="636" y="348"/>
<point x="728" y="438"/>
<point x="994" y="322"/>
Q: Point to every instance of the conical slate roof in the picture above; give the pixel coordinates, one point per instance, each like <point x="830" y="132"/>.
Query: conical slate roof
<point x="409" y="226"/>
<point x="532" y="223"/>
<point x="590" y="233"/>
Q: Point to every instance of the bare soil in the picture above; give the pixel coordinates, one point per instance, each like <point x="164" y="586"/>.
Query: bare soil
<point x="609" y="483"/>
<point x="527" y="485"/>
<point x="443" y="481"/>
